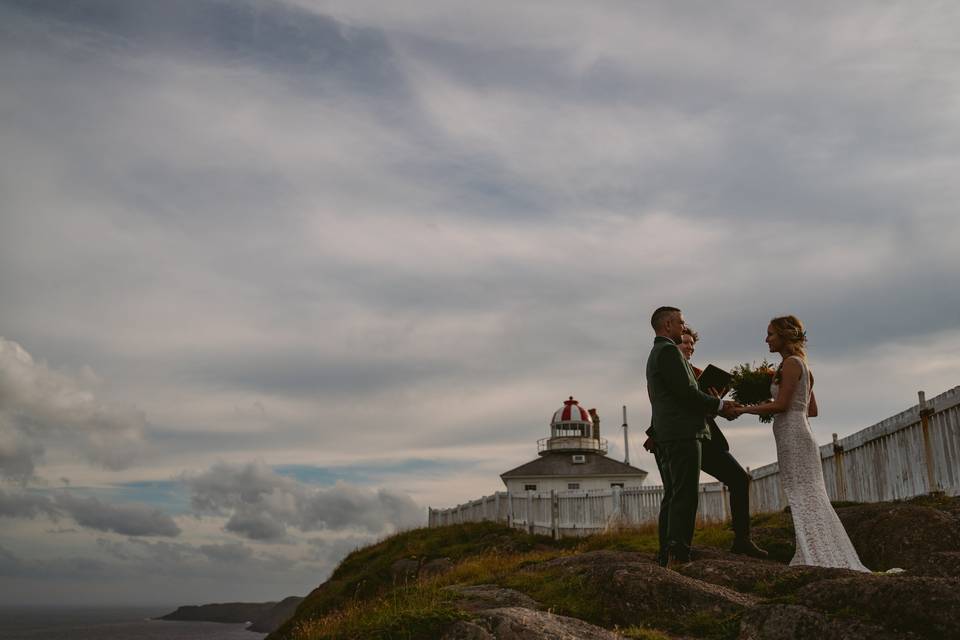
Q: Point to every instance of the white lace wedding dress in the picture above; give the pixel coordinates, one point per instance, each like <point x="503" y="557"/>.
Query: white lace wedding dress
<point x="821" y="539"/>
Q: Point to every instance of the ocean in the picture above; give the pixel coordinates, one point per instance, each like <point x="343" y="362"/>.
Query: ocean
<point x="115" y="623"/>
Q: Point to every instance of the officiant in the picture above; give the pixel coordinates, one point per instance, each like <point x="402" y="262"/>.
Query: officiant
<point x="717" y="461"/>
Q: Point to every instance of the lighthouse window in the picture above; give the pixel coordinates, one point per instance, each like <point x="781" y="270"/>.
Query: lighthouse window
<point x="573" y="485"/>
<point x="529" y="487"/>
<point x="616" y="484"/>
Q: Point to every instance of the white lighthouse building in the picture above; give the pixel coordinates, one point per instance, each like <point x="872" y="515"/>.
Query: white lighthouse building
<point x="572" y="458"/>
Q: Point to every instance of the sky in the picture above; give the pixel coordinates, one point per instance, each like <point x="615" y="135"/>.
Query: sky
<point x="278" y="276"/>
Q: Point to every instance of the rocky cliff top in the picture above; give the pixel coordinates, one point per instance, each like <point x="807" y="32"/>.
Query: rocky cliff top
<point x="486" y="582"/>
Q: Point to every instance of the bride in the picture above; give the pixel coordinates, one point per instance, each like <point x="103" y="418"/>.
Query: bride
<point x="821" y="539"/>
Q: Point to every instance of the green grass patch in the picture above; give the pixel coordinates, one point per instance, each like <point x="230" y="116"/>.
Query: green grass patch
<point x="366" y="573"/>
<point x="415" y="612"/>
<point x="562" y="593"/>
<point x="642" y="539"/>
<point x="717" y="536"/>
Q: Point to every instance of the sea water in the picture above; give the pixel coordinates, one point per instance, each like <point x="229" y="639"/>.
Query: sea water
<point x="114" y="623"/>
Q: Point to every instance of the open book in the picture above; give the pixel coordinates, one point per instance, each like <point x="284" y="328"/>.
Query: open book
<point x="714" y="377"/>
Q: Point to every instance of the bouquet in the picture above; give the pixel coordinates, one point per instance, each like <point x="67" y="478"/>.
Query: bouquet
<point x="751" y="385"/>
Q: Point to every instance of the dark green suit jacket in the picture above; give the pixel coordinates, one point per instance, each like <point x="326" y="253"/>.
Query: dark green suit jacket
<point x="679" y="407"/>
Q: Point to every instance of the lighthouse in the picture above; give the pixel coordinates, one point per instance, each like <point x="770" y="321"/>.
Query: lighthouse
<point x="573" y="457"/>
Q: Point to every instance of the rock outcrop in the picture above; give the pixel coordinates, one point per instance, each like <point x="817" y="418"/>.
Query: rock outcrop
<point x="718" y="595"/>
<point x="636" y="591"/>
<point x="518" y="623"/>
<point x="926" y="606"/>
<point x="888" y="535"/>
<point x="490" y="596"/>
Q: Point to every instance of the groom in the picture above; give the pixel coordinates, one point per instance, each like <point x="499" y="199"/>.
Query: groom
<point x="716" y="460"/>
<point x="680" y="411"/>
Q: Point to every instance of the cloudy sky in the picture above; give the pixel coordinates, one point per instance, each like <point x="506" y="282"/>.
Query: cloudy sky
<point x="276" y="276"/>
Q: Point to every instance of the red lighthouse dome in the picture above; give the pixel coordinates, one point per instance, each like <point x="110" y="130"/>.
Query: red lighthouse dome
<point x="570" y="414"/>
<point x="573" y="429"/>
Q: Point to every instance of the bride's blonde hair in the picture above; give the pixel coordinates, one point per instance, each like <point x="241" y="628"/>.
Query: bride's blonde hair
<point x="791" y="329"/>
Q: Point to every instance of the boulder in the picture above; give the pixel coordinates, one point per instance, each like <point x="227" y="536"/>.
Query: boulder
<point x="922" y="605"/>
<point x="793" y="622"/>
<point x="636" y="592"/>
<point x="490" y="596"/>
<point x="463" y="630"/>
<point x="436" y="567"/>
<point x="895" y="534"/>
<point x="758" y="577"/>
<point x="945" y="564"/>
<point x="517" y="623"/>
<point x="405" y="570"/>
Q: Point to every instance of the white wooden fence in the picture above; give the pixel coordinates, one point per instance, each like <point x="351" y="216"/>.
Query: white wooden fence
<point x="912" y="453"/>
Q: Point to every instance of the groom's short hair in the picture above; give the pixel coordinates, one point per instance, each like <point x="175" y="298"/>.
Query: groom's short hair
<point x="661" y="314"/>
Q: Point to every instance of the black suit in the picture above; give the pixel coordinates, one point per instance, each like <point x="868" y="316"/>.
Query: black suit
<point x="715" y="459"/>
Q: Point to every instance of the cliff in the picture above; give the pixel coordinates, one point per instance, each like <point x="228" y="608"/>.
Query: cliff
<point x="277" y="615"/>
<point x="221" y="612"/>
<point x="483" y="581"/>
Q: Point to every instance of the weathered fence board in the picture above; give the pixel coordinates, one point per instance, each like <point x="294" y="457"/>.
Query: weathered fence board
<point x="912" y="453"/>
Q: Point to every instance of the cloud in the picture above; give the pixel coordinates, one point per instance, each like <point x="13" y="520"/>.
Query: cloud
<point x="39" y="404"/>
<point x="228" y="552"/>
<point x="261" y="504"/>
<point x="131" y="520"/>
<point x="90" y="512"/>
<point x="351" y="232"/>
<point x="25" y="505"/>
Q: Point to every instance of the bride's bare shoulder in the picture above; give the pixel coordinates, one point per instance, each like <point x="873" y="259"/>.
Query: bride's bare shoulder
<point x="792" y="367"/>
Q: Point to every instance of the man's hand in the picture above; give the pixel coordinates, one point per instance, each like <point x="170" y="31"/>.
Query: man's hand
<point x="649" y="445"/>
<point x="729" y="410"/>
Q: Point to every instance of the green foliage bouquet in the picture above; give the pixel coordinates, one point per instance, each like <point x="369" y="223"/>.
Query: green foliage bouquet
<point x="751" y="385"/>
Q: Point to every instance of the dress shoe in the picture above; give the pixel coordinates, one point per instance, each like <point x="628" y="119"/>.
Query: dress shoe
<point x="663" y="557"/>
<point x="745" y="547"/>
<point x="677" y="554"/>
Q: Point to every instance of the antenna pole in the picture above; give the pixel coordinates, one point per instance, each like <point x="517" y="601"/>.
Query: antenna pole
<point x="626" y="444"/>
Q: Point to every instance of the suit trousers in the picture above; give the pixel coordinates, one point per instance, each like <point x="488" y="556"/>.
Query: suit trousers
<point x="681" y="460"/>
<point x="724" y="467"/>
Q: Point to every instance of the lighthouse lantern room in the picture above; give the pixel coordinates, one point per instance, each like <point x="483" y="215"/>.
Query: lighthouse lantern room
<point x="573" y="458"/>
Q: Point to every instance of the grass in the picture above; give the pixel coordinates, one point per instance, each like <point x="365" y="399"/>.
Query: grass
<point x="413" y="612"/>
<point x="366" y="574"/>
<point x="363" y="599"/>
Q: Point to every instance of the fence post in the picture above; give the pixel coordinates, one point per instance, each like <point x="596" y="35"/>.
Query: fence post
<point x="925" y="413"/>
<point x="496" y="506"/>
<point x="838" y="470"/>
<point x="529" y="511"/>
<point x="617" y="497"/>
<point x="554" y="515"/>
